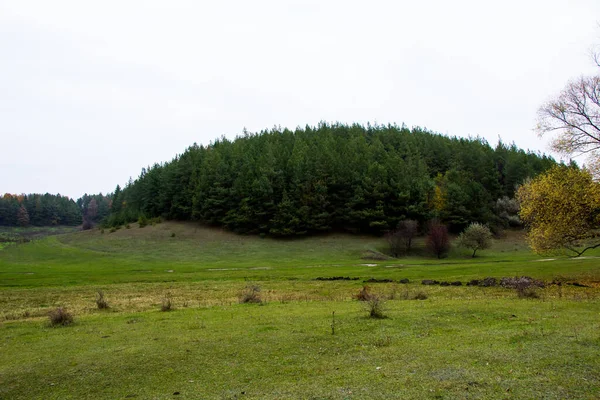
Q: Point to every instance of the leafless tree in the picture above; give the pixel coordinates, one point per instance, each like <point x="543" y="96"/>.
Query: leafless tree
<point x="400" y="239"/>
<point x="574" y="118"/>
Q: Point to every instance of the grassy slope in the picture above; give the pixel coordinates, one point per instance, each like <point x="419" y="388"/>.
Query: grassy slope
<point x="462" y="342"/>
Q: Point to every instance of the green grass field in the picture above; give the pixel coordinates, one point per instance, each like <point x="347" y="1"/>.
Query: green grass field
<point x="461" y="342"/>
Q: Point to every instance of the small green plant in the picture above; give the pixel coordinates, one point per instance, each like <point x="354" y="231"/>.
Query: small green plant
<point x="250" y="294"/>
<point x="172" y="234"/>
<point x="128" y="226"/>
<point x="142" y="221"/>
<point x="102" y="231"/>
<point x="113" y="229"/>
<point x="60" y="317"/>
<point x="101" y="301"/>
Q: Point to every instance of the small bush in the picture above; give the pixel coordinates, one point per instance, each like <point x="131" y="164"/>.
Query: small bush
<point x="102" y="231"/>
<point x="87" y="224"/>
<point x="113" y="229"/>
<point x="142" y="221"/>
<point x="60" y="316"/>
<point x="172" y="234"/>
<point x="250" y="294"/>
<point x="167" y="303"/>
<point x="128" y="226"/>
<point x="420" y="296"/>
<point x="101" y="301"/>
<point x="364" y="294"/>
<point x="376" y="306"/>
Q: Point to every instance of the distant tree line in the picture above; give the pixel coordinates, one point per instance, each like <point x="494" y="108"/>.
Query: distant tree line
<point x="38" y="210"/>
<point x="49" y="209"/>
<point x="332" y="177"/>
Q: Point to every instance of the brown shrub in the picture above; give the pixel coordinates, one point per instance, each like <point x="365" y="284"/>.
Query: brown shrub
<point x="60" y="316"/>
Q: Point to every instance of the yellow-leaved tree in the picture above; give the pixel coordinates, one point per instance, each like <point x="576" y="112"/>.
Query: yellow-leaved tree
<point x="561" y="209"/>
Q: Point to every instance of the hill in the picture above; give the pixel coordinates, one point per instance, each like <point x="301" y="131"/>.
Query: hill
<point x="330" y="178"/>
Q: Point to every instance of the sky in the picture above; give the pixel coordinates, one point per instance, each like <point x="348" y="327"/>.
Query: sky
<point x="91" y="92"/>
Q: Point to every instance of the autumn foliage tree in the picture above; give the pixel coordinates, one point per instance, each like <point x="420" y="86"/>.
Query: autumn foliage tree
<point x="561" y="209"/>
<point x="23" y="216"/>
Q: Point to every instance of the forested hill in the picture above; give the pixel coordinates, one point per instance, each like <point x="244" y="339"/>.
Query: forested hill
<point x="330" y="177"/>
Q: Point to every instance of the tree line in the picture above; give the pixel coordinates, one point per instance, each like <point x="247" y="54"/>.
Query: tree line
<point x="331" y="177"/>
<point x="49" y="209"/>
<point x="38" y="210"/>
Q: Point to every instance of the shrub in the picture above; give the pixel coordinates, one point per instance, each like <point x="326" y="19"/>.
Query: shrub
<point x="438" y="241"/>
<point x="172" y="234"/>
<point x="101" y="301"/>
<point x="475" y="237"/>
<point x="60" y="316"/>
<point x="364" y="294"/>
<point x="113" y="229"/>
<point x="128" y="226"/>
<point x="142" y="221"/>
<point x="420" y="296"/>
<point x="87" y="224"/>
<point x="376" y="306"/>
<point x="167" y="303"/>
<point x="250" y="294"/>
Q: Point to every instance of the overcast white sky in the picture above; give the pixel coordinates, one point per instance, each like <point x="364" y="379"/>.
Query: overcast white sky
<point x="91" y="92"/>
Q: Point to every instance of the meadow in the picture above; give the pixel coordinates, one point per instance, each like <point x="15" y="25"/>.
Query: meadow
<point x="308" y="338"/>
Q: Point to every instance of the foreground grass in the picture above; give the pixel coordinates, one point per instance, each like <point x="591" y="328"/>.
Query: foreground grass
<point x="441" y="349"/>
<point x="461" y="342"/>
